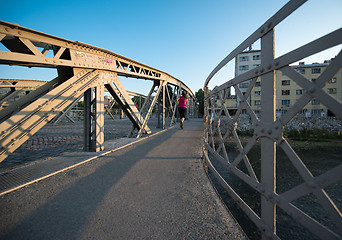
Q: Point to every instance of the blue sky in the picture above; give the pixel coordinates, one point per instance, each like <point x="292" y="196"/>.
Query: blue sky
<point x="185" y="38"/>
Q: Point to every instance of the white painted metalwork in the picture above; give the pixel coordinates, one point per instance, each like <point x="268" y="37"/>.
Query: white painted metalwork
<point x="268" y="131"/>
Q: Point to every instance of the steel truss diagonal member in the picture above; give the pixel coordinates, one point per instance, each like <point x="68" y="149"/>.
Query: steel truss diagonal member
<point x="125" y="102"/>
<point x="154" y="101"/>
<point x="16" y="129"/>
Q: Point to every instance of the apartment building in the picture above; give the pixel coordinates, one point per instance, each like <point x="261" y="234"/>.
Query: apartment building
<point x="245" y="62"/>
<point x="288" y="92"/>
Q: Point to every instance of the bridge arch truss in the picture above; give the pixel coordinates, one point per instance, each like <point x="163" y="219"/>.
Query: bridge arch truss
<point x="83" y="70"/>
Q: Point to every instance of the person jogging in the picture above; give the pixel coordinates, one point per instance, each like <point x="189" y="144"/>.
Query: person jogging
<point x="182" y="102"/>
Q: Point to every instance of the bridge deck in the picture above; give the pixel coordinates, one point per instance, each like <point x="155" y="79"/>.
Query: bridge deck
<point x="155" y="189"/>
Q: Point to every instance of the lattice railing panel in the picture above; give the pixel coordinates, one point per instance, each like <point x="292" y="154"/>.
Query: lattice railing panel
<point x="272" y="180"/>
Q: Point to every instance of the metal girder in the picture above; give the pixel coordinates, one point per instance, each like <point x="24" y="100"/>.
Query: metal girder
<point x="27" y="99"/>
<point x="34" y="84"/>
<point x="20" y="84"/>
<point x="6" y="100"/>
<point x="64" y="113"/>
<point x="19" y="126"/>
<point x="29" y="48"/>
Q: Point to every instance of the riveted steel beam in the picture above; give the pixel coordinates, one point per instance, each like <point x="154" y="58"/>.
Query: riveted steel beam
<point x="24" y="50"/>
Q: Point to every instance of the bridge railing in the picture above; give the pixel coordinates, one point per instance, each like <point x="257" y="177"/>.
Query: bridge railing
<point x="229" y="155"/>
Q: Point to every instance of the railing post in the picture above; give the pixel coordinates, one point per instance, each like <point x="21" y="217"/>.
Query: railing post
<point x="268" y="147"/>
<point x="206" y="118"/>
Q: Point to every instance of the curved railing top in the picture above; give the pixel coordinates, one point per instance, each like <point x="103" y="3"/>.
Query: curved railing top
<point x="261" y="31"/>
<point x="84" y="55"/>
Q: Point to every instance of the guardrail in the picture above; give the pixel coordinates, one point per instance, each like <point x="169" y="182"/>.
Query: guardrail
<point x="220" y="132"/>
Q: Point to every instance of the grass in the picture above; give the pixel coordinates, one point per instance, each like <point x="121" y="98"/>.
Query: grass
<point x="313" y="135"/>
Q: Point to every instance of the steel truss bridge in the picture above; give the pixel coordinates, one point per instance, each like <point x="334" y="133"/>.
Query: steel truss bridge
<point x="83" y="70"/>
<point x="12" y="89"/>
<point x="268" y="134"/>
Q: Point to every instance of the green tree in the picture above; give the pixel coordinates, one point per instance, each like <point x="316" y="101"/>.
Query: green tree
<point x="139" y="101"/>
<point x="199" y="95"/>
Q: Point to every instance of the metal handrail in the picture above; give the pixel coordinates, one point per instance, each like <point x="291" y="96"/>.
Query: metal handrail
<point x="270" y="131"/>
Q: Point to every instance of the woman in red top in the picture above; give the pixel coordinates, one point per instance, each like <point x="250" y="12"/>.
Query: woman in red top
<point x="182" y="104"/>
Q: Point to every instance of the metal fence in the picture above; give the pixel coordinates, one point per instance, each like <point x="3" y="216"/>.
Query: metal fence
<point x="223" y="143"/>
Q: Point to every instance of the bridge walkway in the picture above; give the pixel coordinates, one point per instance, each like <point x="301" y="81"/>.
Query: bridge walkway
<point x="153" y="189"/>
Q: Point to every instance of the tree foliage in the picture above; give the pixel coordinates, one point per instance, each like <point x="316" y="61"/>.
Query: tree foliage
<point x="199" y="95"/>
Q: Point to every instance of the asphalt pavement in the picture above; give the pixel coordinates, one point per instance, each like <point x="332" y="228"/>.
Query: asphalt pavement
<point x="153" y="189"/>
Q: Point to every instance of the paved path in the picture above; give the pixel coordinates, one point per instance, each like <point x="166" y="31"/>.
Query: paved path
<point x="153" y="189"/>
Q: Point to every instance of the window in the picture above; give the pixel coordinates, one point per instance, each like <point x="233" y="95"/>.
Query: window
<point x="333" y="80"/>
<point x="303" y="111"/>
<point x="315" y="70"/>
<point x="256" y="65"/>
<point x="302" y="71"/>
<point x="257" y="84"/>
<point x="285" y="102"/>
<point x="243" y="59"/>
<point x="258" y="93"/>
<point x="285" y="82"/>
<point x="256" y="57"/>
<point x="244" y="85"/>
<point x="300" y="91"/>
<point x="257" y="102"/>
<point x="316" y="111"/>
<point x="315" y="102"/>
<point x="285" y="92"/>
<point x="243" y="67"/>
<point x="332" y="90"/>
<point x="283" y="111"/>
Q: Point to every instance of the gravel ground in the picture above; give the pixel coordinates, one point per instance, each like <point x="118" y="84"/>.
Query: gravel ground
<point x="55" y="140"/>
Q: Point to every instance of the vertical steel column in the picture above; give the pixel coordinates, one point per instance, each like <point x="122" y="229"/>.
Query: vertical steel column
<point x="179" y="94"/>
<point x="191" y="103"/>
<point x="176" y="92"/>
<point x="268" y="146"/>
<point x="158" y="106"/>
<point x="164" y="106"/>
<point x="99" y="118"/>
<point x="87" y="123"/>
